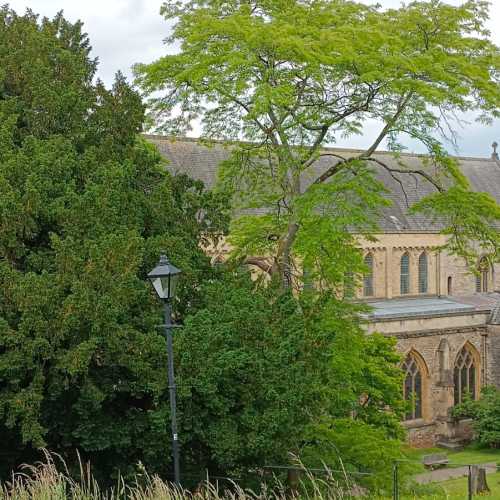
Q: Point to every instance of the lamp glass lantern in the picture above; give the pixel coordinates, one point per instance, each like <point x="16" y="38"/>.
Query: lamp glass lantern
<point x="164" y="278"/>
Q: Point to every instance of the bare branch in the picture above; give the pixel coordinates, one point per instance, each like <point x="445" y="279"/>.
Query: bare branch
<point x="261" y="262"/>
<point x="416" y="171"/>
<point x="403" y="102"/>
<point x="332" y="170"/>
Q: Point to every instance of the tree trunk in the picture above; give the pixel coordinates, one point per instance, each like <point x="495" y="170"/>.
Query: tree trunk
<point x="284" y="255"/>
<point x="293" y="482"/>
<point x="478" y="480"/>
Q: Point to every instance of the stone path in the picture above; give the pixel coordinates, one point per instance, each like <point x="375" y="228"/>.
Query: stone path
<point x="446" y="473"/>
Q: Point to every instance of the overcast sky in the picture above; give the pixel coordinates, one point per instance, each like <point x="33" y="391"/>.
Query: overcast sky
<point x="123" y="32"/>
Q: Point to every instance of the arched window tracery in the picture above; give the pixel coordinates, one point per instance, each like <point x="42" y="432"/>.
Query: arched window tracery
<point x="465" y="375"/>
<point x="405" y="274"/>
<point x="413" y="386"/>
<point x="368" y="276"/>
<point x="422" y="273"/>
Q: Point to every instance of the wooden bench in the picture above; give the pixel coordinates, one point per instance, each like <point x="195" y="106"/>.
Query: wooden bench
<point x="435" y="460"/>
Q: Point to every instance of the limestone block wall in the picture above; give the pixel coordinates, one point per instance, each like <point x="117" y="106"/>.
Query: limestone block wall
<point x="447" y="274"/>
<point x="493" y="367"/>
<point x="455" y="269"/>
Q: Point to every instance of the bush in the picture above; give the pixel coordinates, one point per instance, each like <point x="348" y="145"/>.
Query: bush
<point x="485" y="414"/>
<point x="362" y="450"/>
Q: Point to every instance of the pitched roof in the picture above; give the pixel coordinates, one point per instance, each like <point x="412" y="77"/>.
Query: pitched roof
<point x="187" y="155"/>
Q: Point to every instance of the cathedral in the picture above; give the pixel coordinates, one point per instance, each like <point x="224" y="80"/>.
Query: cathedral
<point x="446" y="319"/>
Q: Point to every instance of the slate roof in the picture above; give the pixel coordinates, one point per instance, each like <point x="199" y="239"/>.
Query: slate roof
<point x="433" y="306"/>
<point x="187" y="155"/>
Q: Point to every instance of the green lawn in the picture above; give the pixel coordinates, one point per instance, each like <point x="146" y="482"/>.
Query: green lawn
<point x="454" y="489"/>
<point x="470" y="455"/>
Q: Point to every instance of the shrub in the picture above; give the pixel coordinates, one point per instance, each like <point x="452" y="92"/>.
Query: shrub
<point x="485" y="413"/>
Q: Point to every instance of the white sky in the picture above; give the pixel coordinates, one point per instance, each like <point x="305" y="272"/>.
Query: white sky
<point x="123" y="32"/>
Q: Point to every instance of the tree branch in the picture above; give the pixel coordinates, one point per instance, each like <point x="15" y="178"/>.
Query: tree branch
<point x="261" y="262"/>
<point x="416" y="171"/>
<point x="403" y="102"/>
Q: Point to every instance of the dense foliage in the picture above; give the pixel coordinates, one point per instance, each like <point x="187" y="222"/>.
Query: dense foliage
<point x="85" y="207"/>
<point x="485" y="414"/>
<point x="251" y="376"/>
<point x="264" y="378"/>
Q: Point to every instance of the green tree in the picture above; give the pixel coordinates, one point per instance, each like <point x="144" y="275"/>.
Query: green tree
<point x="85" y="208"/>
<point x="250" y="377"/>
<point x="290" y="76"/>
<point x="356" y="452"/>
<point x="263" y="376"/>
<point x="359" y="428"/>
<point x="277" y="80"/>
<point x="485" y="413"/>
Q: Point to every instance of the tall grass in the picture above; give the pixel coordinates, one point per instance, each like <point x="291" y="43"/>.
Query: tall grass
<point x="47" y="481"/>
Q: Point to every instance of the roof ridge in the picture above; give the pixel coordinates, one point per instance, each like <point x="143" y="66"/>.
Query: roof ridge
<point x="173" y="138"/>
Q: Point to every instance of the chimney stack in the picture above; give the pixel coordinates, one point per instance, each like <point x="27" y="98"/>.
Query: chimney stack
<point x="494" y="155"/>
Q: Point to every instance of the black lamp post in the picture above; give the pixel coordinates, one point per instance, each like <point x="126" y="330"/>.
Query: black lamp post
<point x="164" y="278"/>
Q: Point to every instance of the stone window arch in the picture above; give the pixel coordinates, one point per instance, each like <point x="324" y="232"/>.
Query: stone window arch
<point x="423" y="270"/>
<point x="405" y="274"/>
<point x="368" y="276"/>
<point x="414" y="386"/>
<point x="466" y="373"/>
<point x="482" y="276"/>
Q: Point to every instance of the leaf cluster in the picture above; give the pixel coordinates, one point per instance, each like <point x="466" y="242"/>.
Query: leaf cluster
<point x="485" y="414"/>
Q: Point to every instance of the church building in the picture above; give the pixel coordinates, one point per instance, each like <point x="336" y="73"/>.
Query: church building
<point x="446" y="319"/>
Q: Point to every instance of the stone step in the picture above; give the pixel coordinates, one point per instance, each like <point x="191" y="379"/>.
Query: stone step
<point x="453" y="444"/>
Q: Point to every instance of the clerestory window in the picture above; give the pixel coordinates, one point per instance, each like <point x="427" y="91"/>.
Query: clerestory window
<point x="482" y="275"/>
<point x="368" y="276"/>
<point x="405" y="274"/>
<point x="422" y="273"/>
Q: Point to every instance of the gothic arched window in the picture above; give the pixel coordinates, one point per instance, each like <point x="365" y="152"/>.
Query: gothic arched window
<point x="422" y="273"/>
<point x="405" y="274"/>
<point x="482" y="275"/>
<point x="465" y="375"/>
<point x="368" y="276"/>
<point x="412" y="388"/>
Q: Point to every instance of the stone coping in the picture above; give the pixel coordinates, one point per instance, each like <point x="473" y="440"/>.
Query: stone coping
<point x="428" y="307"/>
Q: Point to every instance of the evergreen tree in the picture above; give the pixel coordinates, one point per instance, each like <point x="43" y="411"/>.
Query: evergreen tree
<point x="86" y="206"/>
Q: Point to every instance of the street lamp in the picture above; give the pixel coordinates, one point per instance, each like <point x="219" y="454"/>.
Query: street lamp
<point x="164" y="279"/>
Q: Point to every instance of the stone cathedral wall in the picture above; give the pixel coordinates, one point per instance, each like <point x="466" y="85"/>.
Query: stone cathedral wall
<point x="437" y="350"/>
<point x="388" y="250"/>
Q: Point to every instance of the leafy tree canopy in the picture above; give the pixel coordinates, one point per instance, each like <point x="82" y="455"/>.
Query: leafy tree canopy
<point x="290" y="76"/>
<point x="85" y="208"/>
